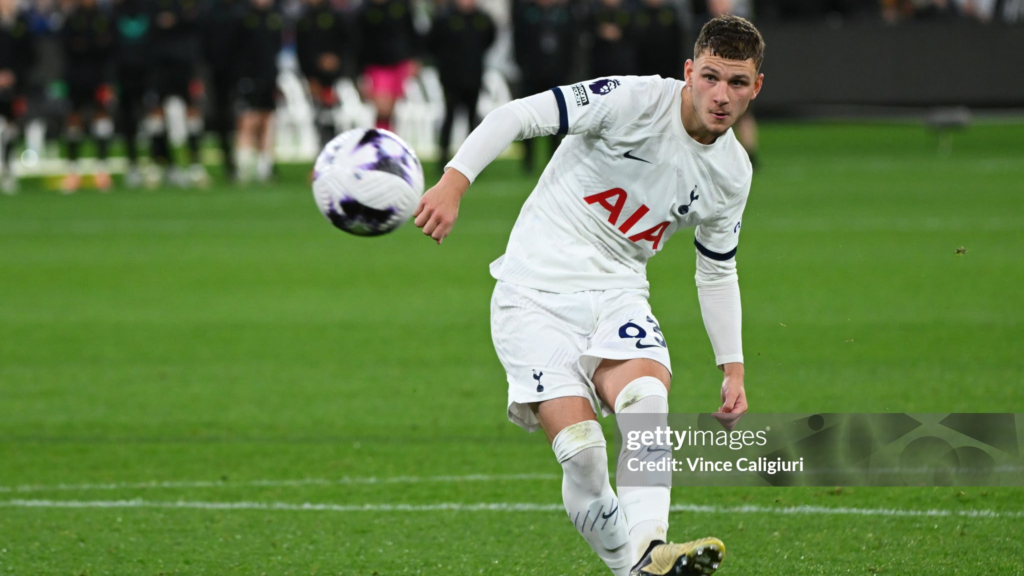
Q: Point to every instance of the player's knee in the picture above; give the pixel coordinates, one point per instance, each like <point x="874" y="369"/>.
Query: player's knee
<point x="647" y="394"/>
<point x="582" y="451"/>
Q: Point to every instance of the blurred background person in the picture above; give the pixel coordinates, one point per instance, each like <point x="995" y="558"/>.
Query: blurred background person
<point x="660" y="46"/>
<point x="221" y="28"/>
<point x="459" y="39"/>
<point x="544" y="41"/>
<point x="88" y="39"/>
<point x="389" y="47"/>
<point x="176" y="50"/>
<point x="132" y="26"/>
<point x="17" y="55"/>
<point x="612" y="49"/>
<point x="321" y="41"/>
<point x="259" y="44"/>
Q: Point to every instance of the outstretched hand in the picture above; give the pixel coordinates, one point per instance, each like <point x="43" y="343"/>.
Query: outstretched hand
<point x="439" y="207"/>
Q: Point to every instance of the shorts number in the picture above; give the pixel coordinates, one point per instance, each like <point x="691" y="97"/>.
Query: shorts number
<point x="635" y="331"/>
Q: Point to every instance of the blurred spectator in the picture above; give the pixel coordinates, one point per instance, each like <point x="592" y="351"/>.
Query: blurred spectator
<point x="388" y="48"/>
<point x="612" y="50"/>
<point x="88" y="38"/>
<point x="17" y="54"/>
<point x="980" y="10"/>
<point x="660" y="45"/>
<point x="132" y="20"/>
<point x="221" y="30"/>
<point x="458" y="40"/>
<point x="259" y="42"/>
<point x="176" y="49"/>
<point x="544" y="38"/>
<point x="321" y="41"/>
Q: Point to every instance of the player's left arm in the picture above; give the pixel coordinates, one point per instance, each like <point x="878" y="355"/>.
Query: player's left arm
<point x="718" y="290"/>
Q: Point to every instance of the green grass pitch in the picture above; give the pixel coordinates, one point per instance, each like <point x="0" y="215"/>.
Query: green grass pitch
<point x="180" y="371"/>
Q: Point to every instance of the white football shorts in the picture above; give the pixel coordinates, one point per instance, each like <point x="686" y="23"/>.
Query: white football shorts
<point x="550" y="344"/>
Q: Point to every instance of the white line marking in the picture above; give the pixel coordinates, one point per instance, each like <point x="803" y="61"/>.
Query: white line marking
<point x="496" y="507"/>
<point x="274" y="483"/>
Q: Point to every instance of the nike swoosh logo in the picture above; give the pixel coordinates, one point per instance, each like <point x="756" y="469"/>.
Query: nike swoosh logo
<point x="642" y="346"/>
<point x="631" y="157"/>
<point x="610" y="514"/>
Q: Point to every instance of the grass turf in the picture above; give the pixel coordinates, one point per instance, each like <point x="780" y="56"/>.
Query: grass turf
<point x="232" y="336"/>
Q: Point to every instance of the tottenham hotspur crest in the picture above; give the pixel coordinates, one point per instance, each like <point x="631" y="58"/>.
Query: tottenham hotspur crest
<point x="684" y="209"/>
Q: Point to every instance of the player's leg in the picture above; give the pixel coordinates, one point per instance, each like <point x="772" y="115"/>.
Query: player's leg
<point x="451" y="102"/>
<point x="194" y="127"/>
<point x="746" y="133"/>
<point x="102" y="133"/>
<point x="9" y="132"/>
<point x="73" y="134"/>
<point x="224" y="118"/>
<point x="629" y="365"/>
<point x="639" y="386"/>
<point x="159" y="141"/>
<point x="265" y="163"/>
<point x="472" y="98"/>
<point x="245" y="146"/>
<point x="322" y="92"/>
<point x="579" y="445"/>
<point x="538" y="337"/>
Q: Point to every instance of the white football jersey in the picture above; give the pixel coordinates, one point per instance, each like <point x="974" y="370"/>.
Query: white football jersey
<point x="625" y="179"/>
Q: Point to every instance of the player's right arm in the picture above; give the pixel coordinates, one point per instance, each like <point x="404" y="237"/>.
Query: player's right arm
<point x="529" y="117"/>
<point x="564" y="110"/>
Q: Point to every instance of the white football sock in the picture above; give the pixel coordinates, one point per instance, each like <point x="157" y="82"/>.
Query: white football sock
<point x="245" y="161"/>
<point x="588" y="495"/>
<point x="646" y="507"/>
<point x="264" y="166"/>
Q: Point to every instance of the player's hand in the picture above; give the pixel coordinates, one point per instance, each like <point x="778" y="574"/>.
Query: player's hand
<point x="439" y="207"/>
<point x="734" y="397"/>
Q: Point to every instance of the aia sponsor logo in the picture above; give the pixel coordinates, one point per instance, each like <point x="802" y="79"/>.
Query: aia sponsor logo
<point x="614" y="201"/>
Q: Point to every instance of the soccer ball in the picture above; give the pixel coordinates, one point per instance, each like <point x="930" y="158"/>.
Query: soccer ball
<point x="367" y="181"/>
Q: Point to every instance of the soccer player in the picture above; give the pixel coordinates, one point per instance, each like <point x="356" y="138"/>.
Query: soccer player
<point x="659" y="33"/>
<point x="176" y="49"/>
<point x="389" y="46"/>
<point x="221" y="27"/>
<point x="612" y="51"/>
<point x="459" y="39"/>
<point x="17" y="54"/>
<point x="543" y="41"/>
<point x="88" y="38"/>
<point x="570" y="318"/>
<point x="259" y="42"/>
<point x="132" y="21"/>
<point x="321" y="39"/>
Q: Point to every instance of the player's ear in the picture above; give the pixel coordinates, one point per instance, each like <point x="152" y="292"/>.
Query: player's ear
<point x="757" y="85"/>
<point x="688" y="70"/>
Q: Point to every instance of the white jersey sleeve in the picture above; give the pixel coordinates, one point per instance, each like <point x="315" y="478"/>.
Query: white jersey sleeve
<point x="528" y="117"/>
<point x="588" y="108"/>
<point x="604" y="106"/>
<point x="718" y="239"/>
<point x="717" y="282"/>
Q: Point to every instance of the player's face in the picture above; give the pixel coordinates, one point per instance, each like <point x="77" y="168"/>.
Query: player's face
<point x="721" y="91"/>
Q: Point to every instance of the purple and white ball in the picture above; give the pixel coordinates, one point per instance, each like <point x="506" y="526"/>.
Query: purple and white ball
<point x="367" y="181"/>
